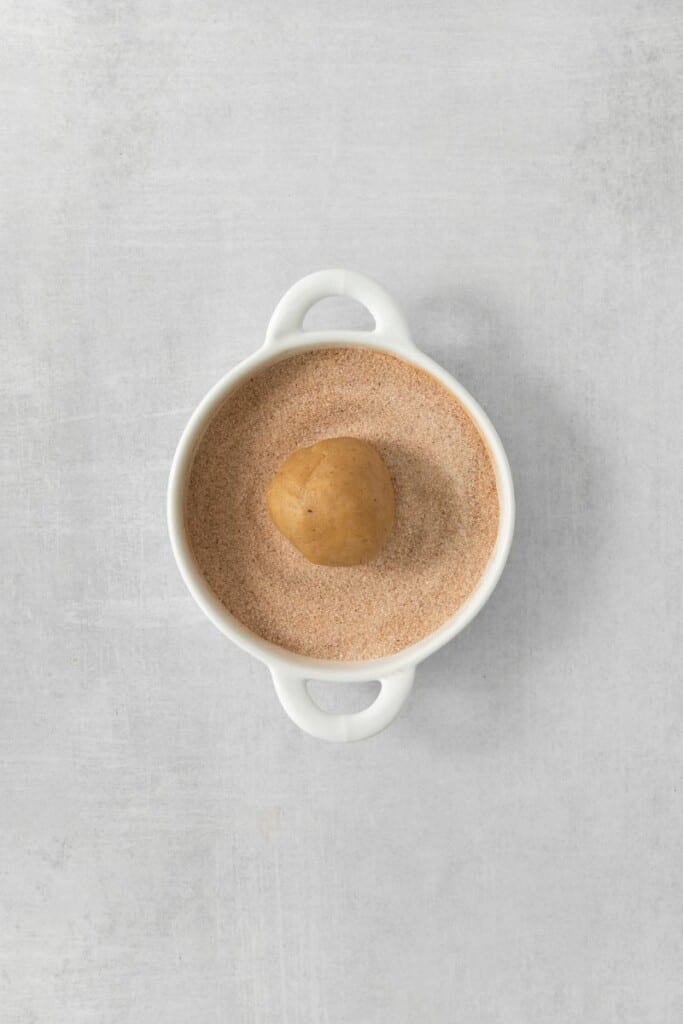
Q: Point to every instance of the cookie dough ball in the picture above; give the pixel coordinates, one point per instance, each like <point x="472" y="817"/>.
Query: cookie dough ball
<point x="334" y="501"/>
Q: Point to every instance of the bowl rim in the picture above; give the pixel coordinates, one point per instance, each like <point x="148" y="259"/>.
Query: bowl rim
<point x="272" y="655"/>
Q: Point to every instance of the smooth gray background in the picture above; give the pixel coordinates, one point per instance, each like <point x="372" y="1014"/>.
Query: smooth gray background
<point x="172" y="849"/>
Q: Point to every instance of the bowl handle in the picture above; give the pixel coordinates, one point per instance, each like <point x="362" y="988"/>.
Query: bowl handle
<point x="287" y="321"/>
<point x="304" y="712"/>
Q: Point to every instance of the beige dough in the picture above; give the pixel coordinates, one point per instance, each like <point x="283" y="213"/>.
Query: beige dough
<point x="334" y="501"/>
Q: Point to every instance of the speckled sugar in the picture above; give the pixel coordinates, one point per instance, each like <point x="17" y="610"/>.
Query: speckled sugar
<point x="446" y="504"/>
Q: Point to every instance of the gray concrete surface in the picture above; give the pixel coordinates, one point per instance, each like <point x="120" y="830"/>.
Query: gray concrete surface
<point x="171" y="848"/>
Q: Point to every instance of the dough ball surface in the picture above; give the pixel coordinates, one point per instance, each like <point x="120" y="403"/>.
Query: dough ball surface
<point x="334" y="501"/>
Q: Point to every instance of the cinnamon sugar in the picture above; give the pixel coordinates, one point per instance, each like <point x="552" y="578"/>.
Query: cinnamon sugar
<point x="446" y="504"/>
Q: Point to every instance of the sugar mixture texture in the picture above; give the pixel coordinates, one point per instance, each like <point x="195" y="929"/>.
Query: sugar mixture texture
<point x="446" y="517"/>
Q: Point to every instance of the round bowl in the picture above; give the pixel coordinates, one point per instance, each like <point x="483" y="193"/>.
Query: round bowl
<point x="290" y="672"/>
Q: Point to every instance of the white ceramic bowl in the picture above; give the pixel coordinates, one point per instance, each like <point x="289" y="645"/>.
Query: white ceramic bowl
<point x="290" y="671"/>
